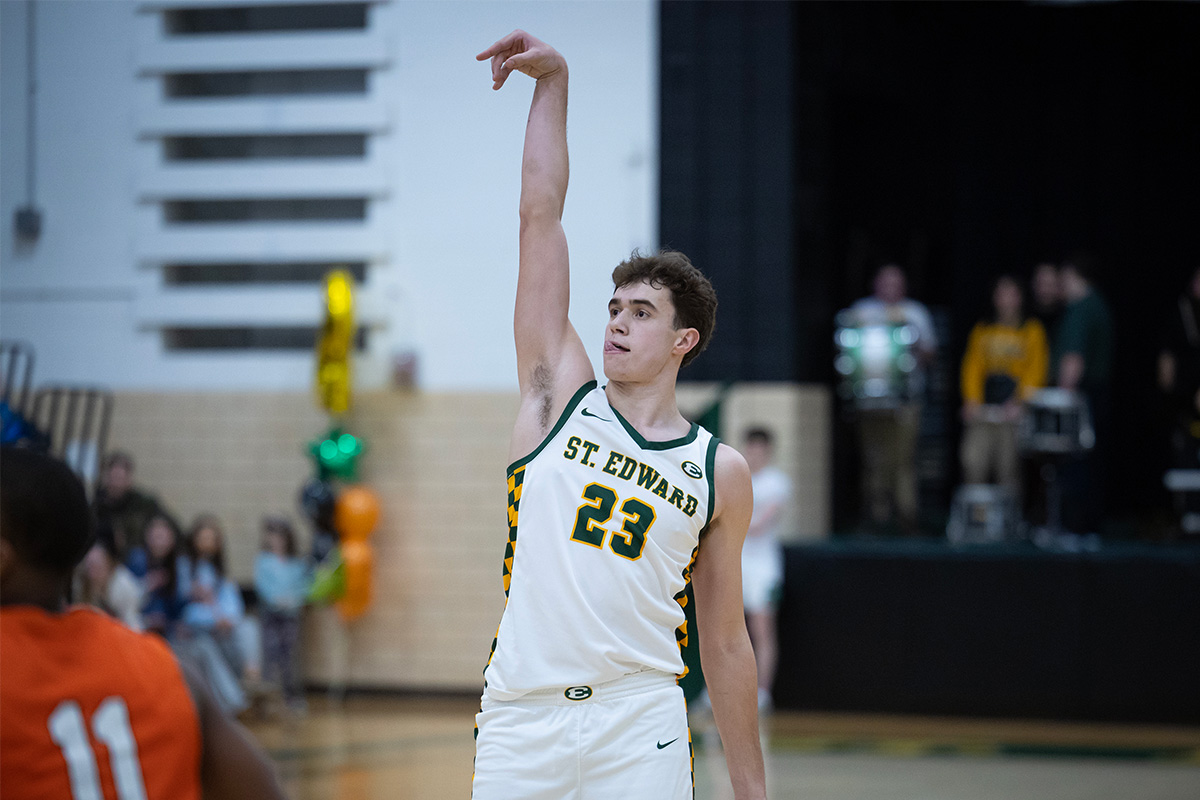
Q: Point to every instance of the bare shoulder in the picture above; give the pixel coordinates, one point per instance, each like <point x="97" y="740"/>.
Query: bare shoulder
<point x="731" y="478"/>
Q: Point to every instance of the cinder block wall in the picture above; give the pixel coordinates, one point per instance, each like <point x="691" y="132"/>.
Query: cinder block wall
<point x="437" y="462"/>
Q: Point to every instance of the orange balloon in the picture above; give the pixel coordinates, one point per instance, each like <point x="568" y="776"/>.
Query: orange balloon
<point x="356" y="513"/>
<point x="357" y="560"/>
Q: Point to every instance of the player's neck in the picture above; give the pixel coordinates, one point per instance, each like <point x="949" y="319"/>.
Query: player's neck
<point x="649" y="407"/>
<point x="23" y="590"/>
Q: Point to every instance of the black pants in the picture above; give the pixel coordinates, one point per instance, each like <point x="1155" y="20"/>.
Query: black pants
<point x="1083" y="479"/>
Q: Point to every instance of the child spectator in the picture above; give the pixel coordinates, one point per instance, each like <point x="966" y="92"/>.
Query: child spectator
<point x="162" y="605"/>
<point x="282" y="580"/>
<point x="104" y="582"/>
<point x="207" y="634"/>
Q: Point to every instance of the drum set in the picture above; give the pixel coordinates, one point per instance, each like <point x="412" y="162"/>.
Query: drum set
<point x="1054" y="427"/>
<point x="876" y="363"/>
<point x="878" y="373"/>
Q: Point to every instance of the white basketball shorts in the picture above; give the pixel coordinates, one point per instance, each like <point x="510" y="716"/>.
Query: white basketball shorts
<point x="623" y="740"/>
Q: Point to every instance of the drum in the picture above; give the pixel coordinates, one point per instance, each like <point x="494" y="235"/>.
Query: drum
<point x="1056" y="422"/>
<point x="876" y="363"/>
<point x="983" y="514"/>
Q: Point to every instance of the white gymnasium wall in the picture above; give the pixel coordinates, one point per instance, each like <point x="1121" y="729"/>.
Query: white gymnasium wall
<point x="442" y="284"/>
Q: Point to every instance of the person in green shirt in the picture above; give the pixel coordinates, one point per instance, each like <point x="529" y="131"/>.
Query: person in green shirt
<point x="1083" y="345"/>
<point x="122" y="506"/>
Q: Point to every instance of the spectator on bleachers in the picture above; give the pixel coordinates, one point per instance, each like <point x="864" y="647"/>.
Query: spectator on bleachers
<point x="122" y="506"/>
<point x="1005" y="362"/>
<point x="282" y="579"/>
<point x="104" y="582"/>
<point x="207" y="633"/>
<point x="162" y="605"/>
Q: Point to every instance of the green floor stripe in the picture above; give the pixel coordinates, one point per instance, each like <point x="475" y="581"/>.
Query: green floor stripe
<point x="914" y="748"/>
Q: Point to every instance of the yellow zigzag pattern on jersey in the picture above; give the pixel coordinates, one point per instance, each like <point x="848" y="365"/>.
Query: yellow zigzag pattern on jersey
<point x="515" y="482"/>
<point x="514" y="504"/>
<point x="681" y="633"/>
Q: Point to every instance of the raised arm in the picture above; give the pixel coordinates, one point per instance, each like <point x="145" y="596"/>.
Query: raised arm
<point x="725" y="652"/>
<point x="551" y="360"/>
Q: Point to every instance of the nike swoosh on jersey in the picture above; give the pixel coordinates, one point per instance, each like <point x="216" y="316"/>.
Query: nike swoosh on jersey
<point x="587" y="413"/>
<point x="673" y="741"/>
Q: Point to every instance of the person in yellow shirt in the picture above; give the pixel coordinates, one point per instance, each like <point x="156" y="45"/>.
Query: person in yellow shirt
<point x="1005" y="362"/>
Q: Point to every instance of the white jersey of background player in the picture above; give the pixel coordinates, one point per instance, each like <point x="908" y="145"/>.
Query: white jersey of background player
<point x="762" y="555"/>
<point x="545" y="729"/>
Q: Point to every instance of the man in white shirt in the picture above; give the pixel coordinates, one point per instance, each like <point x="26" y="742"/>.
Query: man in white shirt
<point x="889" y="437"/>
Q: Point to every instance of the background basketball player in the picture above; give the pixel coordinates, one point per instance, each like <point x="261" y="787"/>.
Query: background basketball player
<point x="89" y="709"/>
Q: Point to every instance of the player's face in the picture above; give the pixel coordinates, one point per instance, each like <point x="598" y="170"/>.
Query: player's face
<point x="640" y="335"/>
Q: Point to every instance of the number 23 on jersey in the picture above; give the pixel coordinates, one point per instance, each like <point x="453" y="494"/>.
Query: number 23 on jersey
<point x="597" y="510"/>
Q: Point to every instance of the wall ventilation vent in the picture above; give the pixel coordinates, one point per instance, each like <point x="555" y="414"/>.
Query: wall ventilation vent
<point x="258" y="173"/>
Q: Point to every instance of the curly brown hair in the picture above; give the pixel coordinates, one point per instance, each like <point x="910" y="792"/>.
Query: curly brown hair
<point x="692" y="293"/>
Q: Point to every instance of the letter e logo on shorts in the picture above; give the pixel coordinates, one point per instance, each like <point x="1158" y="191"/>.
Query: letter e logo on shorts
<point x="578" y="693"/>
<point x="692" y="470"/>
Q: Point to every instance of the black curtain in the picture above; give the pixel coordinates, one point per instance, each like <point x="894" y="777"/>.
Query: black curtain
<point x="802" y="144"/>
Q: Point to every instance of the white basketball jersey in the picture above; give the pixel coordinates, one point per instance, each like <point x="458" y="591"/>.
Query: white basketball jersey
<point x="603" y="529"/>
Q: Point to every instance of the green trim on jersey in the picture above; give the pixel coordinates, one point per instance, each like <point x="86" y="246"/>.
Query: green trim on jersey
<point x="562" y="420"/>
<point x="710" y="464"/>
<point x="645" y="444"/>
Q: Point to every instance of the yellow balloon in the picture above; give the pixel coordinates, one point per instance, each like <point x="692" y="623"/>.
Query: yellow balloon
<point x="335" y="343"/>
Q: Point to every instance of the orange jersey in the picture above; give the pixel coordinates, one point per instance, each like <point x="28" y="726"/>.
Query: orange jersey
<point x="90" y="710"/>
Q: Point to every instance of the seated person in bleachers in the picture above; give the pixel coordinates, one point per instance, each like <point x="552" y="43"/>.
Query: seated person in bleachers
<point x="207" y="633"/>
<point x="122" y="506"/>
<point x="1005" y="362"/>
<point x="104" y="582"/>
<point x="162" y="606"/>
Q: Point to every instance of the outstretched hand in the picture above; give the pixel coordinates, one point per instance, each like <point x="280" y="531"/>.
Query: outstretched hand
<point x="523" y="53"/>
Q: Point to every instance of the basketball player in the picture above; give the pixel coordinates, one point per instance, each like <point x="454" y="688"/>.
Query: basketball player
<point x="762" y="556"/>
<point x="89" y="709"/>
<point x="619" y="502"/>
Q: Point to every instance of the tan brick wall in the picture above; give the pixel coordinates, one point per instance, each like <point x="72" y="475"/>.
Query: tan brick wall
<point x="437" y="462"/>
<point x="800" y="415"/>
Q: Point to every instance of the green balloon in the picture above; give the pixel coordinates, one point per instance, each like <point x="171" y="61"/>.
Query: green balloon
<point x="337" y="455"/>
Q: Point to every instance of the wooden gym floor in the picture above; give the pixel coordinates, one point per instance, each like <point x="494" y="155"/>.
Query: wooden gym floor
<point x="406" y="748"/>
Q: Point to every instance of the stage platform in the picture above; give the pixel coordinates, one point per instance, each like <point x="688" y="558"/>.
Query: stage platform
<point x="920" y="627"/>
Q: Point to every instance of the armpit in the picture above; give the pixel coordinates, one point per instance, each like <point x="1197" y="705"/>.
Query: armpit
<point x="542" y="384"/>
